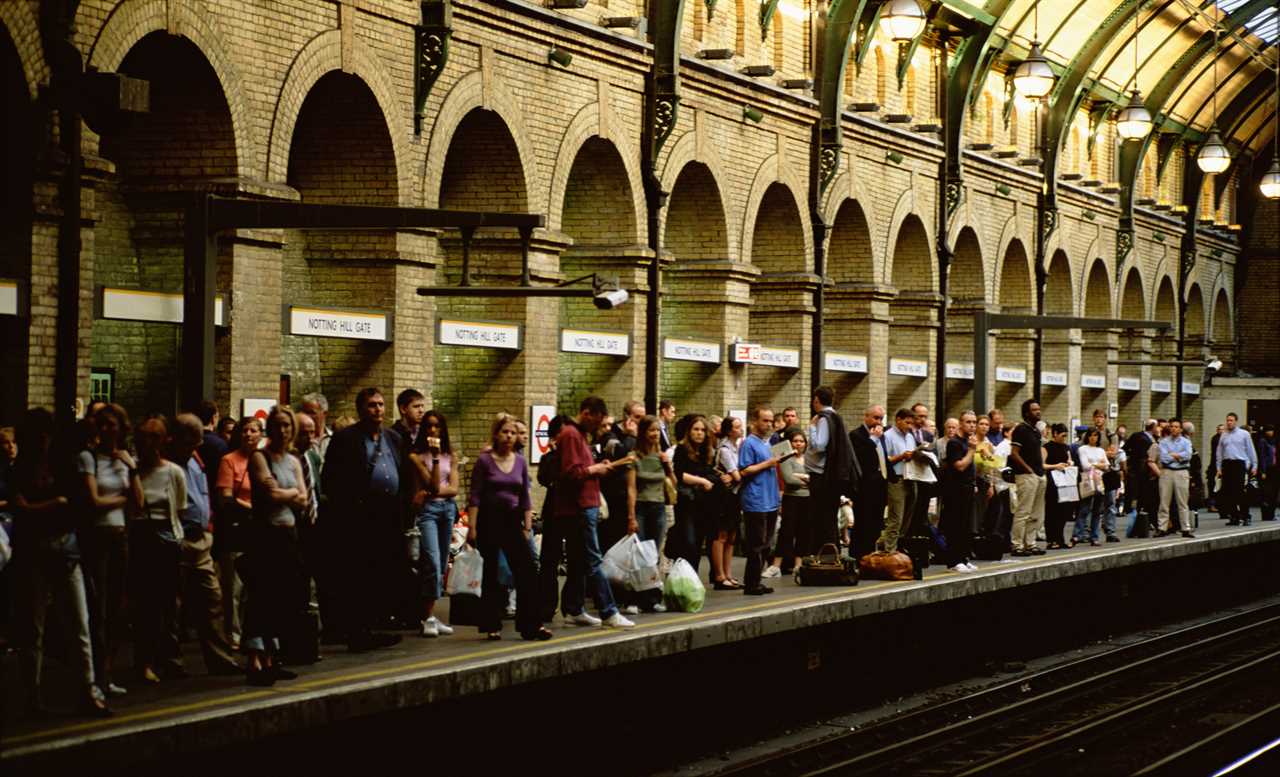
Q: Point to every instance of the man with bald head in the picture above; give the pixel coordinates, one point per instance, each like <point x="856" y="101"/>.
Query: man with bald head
<point x="872" y="487"/>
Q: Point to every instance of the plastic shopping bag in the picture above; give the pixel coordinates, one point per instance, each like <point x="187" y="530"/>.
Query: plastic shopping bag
<point x="617" y="561"/>
<point x="683" y="590"/>
<point x="646" y="574"/>
<point x="467" y="572"/>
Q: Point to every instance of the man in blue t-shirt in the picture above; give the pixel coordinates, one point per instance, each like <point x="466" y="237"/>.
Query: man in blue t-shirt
<point x="759" y="494"/>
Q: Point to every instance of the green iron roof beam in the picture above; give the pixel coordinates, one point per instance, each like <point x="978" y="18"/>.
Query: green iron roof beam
<point x="1062" y="24"/>
<point x="979" y="14"/>
<point x="767" y="10"/>
<point x="1120" y="50"/>
<point x="836" y="33"/>
<point x="663" y="93"/>
<point x="865" y="27"/>
<point x="968" y="74"/>
<point x="907" y="51"/>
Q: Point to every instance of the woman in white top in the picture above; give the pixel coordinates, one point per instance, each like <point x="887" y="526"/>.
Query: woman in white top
<point x="1093" y="497"/>
<point x="726" y="529"/>
<point x="106" y="470"/>
<point x="155" y="546"/>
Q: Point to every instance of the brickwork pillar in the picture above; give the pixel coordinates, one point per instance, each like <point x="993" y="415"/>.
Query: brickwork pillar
<point x="913" y="335"/>
<point x="1099" y="347"/>
<point x="960" y="351"/>
<point x="782" y="317"/>
<point x="856" y="321"/>
<point x="706" y="300"/>
<point x="1135" y="406"/>
<point x="1062" y="354"/>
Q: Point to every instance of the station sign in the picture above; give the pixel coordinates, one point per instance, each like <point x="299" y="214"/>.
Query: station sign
<point x="12" y="297"/>
<point x="479" y="334"/>
<point x="340" y="323"/>
<point x="785" y="358"/>
<point x="599" y="343"/>
<point x="911" y="368"/>
<point x="1190" y="388"/>
<point x="1093" y="381"/>
<point x="960" y="371"/>
<point x="1053" y="378"/>
<point x="1011" y="375"/>
<point x="156" y="307"/>
<point x="1161" y="386"/>
<point x="744" y="353"/>
<point x="681" y="350"/>
<point x="540" y="422"/>
<point x="1129" y="384"/>
<point x="836" y="361"/>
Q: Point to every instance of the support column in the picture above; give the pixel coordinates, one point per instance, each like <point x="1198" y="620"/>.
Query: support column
<point x="1135" y="406"/>
<point x="1099" y="347"/>
<point x="960" y="391"/>
<point x="1062" y="355"/>
<point x="1015" y="350"/>
<point x="856" y="322"/>
<point x="710" y="301"/>
<point x="782" y="316"/>
<point x="913" y="336"/>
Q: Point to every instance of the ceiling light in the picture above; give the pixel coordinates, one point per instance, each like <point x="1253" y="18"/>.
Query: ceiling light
<point x="1214" y="156"/>
<point x="1034" y="78"/>
<point x="902" y="20"/>
<point x="1270" y="184"/>
<point x="1134" y="121"/>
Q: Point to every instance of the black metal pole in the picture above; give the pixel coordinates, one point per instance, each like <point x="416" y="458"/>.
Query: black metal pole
<point x="817" y="360"/>
<point x="980" y="360"/>
<point x="655" y="199"/>
<point x="199" y="282"/>
<point x="67" y="75"/>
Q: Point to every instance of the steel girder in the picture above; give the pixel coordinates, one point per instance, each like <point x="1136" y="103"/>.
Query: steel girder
<point x="836" y="33"/>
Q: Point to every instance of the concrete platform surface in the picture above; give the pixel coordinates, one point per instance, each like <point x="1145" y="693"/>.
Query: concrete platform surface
<point x="221" y="711"/>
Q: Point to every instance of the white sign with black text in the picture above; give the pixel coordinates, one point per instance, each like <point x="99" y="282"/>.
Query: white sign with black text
<point x="956" y="371"/>
<point x="1093" y="381"/>
<point x="1011" y="375"/>
<point x="911" y="368"/>
<point x="837" y="361"/>
<point x="690" y="350"/>
<point x="1053" y="378"/>
<point x="786" y="358"/>
<point x="1190" y="388"/>
<point x="1161" y="386"/>
<point x="342" y="324"/>
<point x="1129" y="384"/>
<point x="479" y="334"/>
<point x="602" y="343"/>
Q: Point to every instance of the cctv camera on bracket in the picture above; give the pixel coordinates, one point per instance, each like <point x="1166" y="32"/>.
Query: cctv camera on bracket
<point x="606" y="293"/>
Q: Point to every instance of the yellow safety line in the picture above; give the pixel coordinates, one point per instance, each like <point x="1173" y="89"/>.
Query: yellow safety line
<point x="403" y="668"/>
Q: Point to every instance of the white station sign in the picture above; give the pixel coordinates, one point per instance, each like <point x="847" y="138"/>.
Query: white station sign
<point x="836" y="361"/>
<point x="957" y="371"/>
<point x="151" y="306"/>
<point x="911" y="368"/>
<point x="1093" y="381"/>
<point x="1129" y="384"/>
<point x="1161" y="386"/>
<point x="1190" y="388"/>
<point x="480" y="334"/>
<point x="678" y="349"/>
<point x="1053" y="378"/>
<point x="338" y="323"/>
<point x="600" y="343"/>
<point x="8" y="298"/>
<point x="786" y="358"/>
<point x="1011" y="375"/>
<point x="744" y="353"/>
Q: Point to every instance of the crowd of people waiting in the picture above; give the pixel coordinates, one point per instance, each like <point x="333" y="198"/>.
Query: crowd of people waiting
<point x="270" y="536"/>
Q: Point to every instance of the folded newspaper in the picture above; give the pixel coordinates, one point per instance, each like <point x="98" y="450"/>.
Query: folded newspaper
<point x="917" y="467"/>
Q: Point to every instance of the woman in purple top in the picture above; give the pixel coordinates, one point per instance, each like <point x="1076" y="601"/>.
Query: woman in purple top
<point x="502" y="520"/>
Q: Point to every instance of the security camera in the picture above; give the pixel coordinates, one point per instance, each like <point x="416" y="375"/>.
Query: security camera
<point x="608" y="300"/>
<point x="1214" y="365"/>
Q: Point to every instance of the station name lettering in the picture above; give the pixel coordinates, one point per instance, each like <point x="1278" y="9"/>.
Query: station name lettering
<point x="338" y="326"/>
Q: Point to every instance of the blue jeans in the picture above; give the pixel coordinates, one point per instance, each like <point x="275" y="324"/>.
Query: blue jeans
<point x="436" y="524"/>
<point x="652" y="517"/>
<point x="1088" y="516"/>
<point x="1109" y="514"/>
<point x="584" y="571"/>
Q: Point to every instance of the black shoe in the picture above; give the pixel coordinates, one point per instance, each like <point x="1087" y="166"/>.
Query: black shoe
<point x="280" y="673"/>
<point x="540" y="635"/>
<point x="1020" y="553"/>
<point x="383" y="640"/>
<point x="759" y="590"/>
<point x="263" y="678"/>
<point x="1112" y="538"/>
<point x="224" y="669"/>
<point x="1188" y="535"/>
<point x="1036" y="551"/>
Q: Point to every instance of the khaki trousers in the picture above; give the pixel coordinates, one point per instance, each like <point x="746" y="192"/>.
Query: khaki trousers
<point x="1028" y="512"/>
<point x="900" y="505"/>
<point x="1175" y="483"/>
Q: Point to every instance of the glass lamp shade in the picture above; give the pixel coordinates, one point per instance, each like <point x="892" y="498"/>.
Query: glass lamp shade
<point x="1034" y="78"/>
<point x="1134" y="121"/>
<point x="1214" y="157"/>
<point x="902" y="20"/>
<point x="1270" y="185"/>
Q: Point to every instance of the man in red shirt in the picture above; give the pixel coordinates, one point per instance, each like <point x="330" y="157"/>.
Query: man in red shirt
<point x="577" y="504"/>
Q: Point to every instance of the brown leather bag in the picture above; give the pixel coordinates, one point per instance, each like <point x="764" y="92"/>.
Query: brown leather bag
<point x="886" y="566"/>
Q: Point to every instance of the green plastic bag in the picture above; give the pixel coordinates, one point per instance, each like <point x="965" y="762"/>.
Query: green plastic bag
<point x="683" y="590"/>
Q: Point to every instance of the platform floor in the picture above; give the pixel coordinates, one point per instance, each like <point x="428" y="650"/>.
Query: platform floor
<point x="223" y="710"/>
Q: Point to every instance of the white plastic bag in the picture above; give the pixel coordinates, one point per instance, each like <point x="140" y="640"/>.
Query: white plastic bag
<point x="646" y="574"/>
<point x="683" y="590"/>
<point x="467" y="572"/>
<point x="1065" y="481"/>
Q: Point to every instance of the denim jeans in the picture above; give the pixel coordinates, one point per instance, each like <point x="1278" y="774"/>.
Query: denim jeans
<point x="1109" y="514"/>
<point x="652" y="517"/>
<point x="435" y="522"/>
<point x="584" y="571"/>
<point x="1088" y="516"/>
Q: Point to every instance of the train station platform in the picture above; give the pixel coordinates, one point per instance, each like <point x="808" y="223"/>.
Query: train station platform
<point x="790" y="633"/>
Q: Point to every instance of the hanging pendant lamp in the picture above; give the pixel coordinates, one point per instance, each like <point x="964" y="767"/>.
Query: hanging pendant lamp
<point x="1134" y="121"/>
<point x="1270" y="183"/>
<point x="1214" y="156"/>
<point x="1033" y="79"/>
<point x="902" y="20"/>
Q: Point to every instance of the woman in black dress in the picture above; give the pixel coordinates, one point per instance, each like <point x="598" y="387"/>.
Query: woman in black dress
<point x="701" y="489"/>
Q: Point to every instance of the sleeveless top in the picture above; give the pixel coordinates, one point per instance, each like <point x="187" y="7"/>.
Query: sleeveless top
<point x="272" y="513"/>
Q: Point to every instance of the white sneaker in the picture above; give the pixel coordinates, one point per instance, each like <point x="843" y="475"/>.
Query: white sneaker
<point x="441" y="628"/>
<point x="631" y="609"/>
<point x="972" y="566"/>
<point x="583" y="618"/>
<point x="659" y="607"/>
<point x="429" y="628"/>
<point x="771" y="571"/>
<point x="511" y="603"/>
<point x="618" y="621"/>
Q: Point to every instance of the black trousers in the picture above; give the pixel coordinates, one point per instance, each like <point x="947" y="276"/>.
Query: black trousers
<point x="367" y="549"/>
<point x="1231" y="496"/>
<point x="272" y="572"/>
<point x="689" y="533"/>
<point x="758" y="538"/>
<point x="868" y="515"/>
<point x="1270" y="493"/>
<point x="824" y="501"/>
<point x="792" y="537"/>
<point x="957" y="524"/>
<point x="554" y="528"/>
<point x="498" y="532"/>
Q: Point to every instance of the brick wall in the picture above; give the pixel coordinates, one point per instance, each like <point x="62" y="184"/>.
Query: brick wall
<point x="1258" y="316"/>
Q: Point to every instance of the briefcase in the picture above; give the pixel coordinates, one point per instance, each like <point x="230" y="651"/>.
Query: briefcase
<point x="886" y="566"/>
<point x="828" y="567"/>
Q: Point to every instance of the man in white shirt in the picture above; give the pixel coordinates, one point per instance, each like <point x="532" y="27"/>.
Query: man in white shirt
<point x="899" y="446"/>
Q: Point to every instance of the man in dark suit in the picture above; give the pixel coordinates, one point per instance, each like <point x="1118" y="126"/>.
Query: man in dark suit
<point x="361" y="479"/>
<point x="1137" y="449"/>
<point x="872" y="487"/>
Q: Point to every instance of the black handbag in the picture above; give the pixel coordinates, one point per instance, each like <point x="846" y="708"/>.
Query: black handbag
<point x="828" y="567"/>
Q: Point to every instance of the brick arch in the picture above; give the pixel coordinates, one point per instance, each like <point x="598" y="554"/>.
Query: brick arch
<point x="1165" y="301"/>
<point x="848" y="186"/>
<point x="584" y="126"/>
<point x="1222" y="316"/>
<point x="1058" y="275"/>
<point x="1131" y="294"/>
<point x="682" y="153"/>
<point x="597" y="205"/>
<point x="132" y="20"/>
<point x="466" y="95"/>
<point x="705" y="187"/>
<point x="770" y="173"/>
<point x="905" y="209"/>
<point x="1015" y="283"/>
<point x="19" y="19"/>
<point x="1013" y="230"/>
<point x="967" y="277"/>
<point x="850" y="248"/>
<point x="778" y="222"/>
<point x="322" y="55"/>
<point x="1096" y="289"/>
<point x="1197" y="313"/>
<point x="912" y="257"/>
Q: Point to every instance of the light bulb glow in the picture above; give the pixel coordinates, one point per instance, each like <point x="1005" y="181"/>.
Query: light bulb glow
<point x="1270" y="184"/>
<point x="902" y="20"/>
<point x="1134" y="121"/>
<point x="1214" y="156"/>
<point x="1033" y="78"/>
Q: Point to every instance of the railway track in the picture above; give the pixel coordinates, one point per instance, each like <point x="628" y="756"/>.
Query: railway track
<point x="1055" y="716"/>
